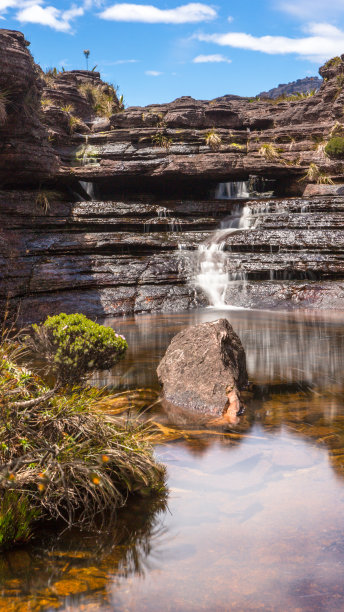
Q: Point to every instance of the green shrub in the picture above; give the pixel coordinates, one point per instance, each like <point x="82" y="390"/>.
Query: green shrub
<point x="335" y="147"/>
<point x="74" y="346"/>
<point x="61" y="453"/>
<point x="16" y="518"/>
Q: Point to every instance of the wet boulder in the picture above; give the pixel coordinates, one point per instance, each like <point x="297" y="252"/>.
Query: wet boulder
<point x="204" y="370"/>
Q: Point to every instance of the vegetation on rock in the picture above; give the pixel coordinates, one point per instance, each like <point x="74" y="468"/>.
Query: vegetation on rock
<point x="269" y="151"/>
<point x="314" y="175"/>
<point x="74" y="346"/>
<point x="102" y="98"/>
<point x="213" y="140"/>
<point x="335" y="147"/>
<point x="60" y="457"/>
<point x="161" y="140"/>
<point x="17" y="516"/>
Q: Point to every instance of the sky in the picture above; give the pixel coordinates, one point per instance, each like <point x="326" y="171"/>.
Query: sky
<point x="158" y="52"/>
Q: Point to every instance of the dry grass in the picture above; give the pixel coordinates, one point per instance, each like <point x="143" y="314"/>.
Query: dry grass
<point x="161" y="140"/>
<point x="314" y="175"/>
<point x="46" y="102"/>
<point x="102" y="98"/>
<point x="213" y="140"/>
<point x="269" y="152"/>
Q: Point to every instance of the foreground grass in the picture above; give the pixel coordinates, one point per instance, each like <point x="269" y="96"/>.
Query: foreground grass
<point x="61" y="458"/>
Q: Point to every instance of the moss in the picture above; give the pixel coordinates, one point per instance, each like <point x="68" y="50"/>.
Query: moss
<point x="335" y="147"/>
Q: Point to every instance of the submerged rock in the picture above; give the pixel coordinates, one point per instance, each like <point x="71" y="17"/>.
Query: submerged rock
<point x="204" y="370"/>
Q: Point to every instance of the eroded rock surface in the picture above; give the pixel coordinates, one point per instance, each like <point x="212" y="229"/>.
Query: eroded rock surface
<point x="26" y="155"/>
<point x="204" y="370"/>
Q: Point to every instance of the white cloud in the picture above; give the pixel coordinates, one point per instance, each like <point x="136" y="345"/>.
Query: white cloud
<point x="312" y="9"/>
<point x="120" y="61"/>
<point x="16" y="4"/>
<point x="36" y="11"/>
<point x="144" y="13"/>
<point x="216" y="58"/>
<point x="153" y="73"/>
<point x="324" y="41"/>
<point x="50" y="16"/>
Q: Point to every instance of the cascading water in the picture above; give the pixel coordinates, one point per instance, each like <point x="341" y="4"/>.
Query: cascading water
<point x="216" y="267"/>
<point x="88" y="188"/>
<point x="212" y="275"/>
<point x="233" y="190"/>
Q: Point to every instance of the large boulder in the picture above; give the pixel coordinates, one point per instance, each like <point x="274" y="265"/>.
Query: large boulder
<point x="204" y="369"/>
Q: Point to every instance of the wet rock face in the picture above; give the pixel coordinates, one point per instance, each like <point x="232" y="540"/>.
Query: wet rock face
<point x="26" y="155"/>
<point x="204" y="370"/>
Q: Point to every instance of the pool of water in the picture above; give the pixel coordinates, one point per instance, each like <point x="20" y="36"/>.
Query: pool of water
<point x="254" y="519"/>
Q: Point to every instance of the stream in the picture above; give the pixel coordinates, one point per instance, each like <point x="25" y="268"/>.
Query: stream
<point x="254" y="515"/>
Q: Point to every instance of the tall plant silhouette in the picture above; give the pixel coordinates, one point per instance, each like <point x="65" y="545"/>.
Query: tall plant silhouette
<point x="87" y="55"/>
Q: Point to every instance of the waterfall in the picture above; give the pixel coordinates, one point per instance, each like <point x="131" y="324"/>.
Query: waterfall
<point x="87" y="188"/>
<point x="234" y="190"/>
<point x="211" y="275"/>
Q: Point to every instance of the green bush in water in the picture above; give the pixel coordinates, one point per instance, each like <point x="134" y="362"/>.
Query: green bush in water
<point x="335" y="147"/>
<point x="16" y="518"/>
<point x="74" y="346"/>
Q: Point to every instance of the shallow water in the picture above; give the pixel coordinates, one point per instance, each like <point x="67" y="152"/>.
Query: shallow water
<point x="255" y="514"/>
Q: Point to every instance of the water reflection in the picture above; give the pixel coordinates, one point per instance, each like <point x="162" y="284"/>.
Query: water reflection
<point x="255" y="516"/>
<point x="60" y="573"/>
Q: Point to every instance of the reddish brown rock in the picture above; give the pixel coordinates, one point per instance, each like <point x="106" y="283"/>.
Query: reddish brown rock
<point x="26" y="156"/>
<point x="204" y="370"/>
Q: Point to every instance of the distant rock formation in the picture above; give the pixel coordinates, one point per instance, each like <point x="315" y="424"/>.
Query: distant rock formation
<point x="288" y="89"/>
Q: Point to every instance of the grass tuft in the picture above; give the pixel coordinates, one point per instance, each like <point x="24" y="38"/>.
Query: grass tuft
<point x="213" y="140"/>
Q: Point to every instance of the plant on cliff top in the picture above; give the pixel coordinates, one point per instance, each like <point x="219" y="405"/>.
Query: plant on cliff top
<point x="335" y="61"/>
<point x="74" y="346"/>
<point x="213" y="140"/>
<point x="335" y="147"/>
<point x="314" y="175"/>
<point x="87" y="55"/>
<point x="102" y="98"/>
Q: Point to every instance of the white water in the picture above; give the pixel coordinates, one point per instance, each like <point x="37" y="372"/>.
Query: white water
<point x="88" y="188"/>
<point x="212" y="276"/>
<point x="233" y="190"/>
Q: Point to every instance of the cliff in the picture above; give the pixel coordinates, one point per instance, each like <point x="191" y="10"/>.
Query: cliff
<point x="301" y="86"/>
<point x="147" y="177"/>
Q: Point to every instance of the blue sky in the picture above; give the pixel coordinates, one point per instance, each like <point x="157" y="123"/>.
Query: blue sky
<point x="159" y="51"/>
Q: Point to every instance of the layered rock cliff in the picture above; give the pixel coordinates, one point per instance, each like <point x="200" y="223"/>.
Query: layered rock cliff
<point x="150" y="173"/>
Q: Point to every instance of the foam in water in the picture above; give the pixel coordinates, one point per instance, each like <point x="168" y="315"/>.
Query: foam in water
<point x="212" y="276"/>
